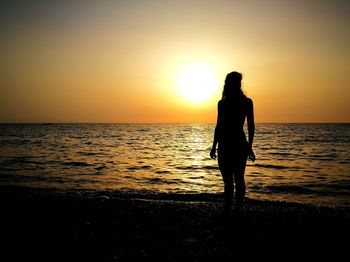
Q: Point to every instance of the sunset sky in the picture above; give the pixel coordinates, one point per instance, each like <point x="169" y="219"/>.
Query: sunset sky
<point x="133" y="61"/>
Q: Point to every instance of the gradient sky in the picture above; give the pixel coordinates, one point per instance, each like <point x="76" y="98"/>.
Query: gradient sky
<point x="118" y="61"/>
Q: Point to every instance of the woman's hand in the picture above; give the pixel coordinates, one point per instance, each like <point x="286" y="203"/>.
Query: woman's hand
<point x="213" y="153"/>
<point x="251" y="155"/>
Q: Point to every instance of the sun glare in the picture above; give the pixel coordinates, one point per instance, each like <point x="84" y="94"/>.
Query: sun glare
<point x="197" y="82"/>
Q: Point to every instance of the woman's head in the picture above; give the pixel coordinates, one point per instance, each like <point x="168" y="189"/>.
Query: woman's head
<point x="233" y="87"/>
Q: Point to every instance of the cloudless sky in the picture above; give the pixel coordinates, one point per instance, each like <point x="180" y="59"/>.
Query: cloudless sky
<point x="118" y="61"/>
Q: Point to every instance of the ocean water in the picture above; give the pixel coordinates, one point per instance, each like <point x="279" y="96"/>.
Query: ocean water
<point x="307" y="163"/>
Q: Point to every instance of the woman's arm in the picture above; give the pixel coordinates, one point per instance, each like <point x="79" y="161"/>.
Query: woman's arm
<point x="213" y="148"/>
<point x="216" y="134"/>
<point x="251" y="129"/>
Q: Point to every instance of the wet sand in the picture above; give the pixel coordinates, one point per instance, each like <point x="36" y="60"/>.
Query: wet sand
<point x="52" y="225"/>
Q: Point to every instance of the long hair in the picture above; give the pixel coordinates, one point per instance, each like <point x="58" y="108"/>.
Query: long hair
<point x="233" y="86"/>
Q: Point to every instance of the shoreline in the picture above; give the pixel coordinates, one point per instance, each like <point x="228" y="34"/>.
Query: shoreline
<point x="50" y="225"/>
<point x="150" y="195"/>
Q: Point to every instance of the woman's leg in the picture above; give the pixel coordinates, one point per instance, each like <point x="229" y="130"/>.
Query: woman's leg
<point x="227" y="176"/>
<point x="228" y="187"/>
<point x="239" y="170"/>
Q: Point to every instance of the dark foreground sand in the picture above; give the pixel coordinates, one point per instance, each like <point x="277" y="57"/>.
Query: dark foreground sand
<point x="51" y="225"/>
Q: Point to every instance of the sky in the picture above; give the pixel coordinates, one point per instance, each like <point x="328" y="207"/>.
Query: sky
<point x="122" y="61"/>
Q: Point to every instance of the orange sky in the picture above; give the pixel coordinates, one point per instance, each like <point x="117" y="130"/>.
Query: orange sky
<point x="119" y="61"/>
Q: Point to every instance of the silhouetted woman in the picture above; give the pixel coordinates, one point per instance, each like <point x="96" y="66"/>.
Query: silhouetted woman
<point x="233" y="148"/>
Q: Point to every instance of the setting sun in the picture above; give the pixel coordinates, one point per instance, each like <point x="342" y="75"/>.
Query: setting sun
<point x="197" y="82"/>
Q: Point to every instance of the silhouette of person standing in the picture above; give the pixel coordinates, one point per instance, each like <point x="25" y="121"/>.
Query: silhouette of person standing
<point x="233" y="148"/>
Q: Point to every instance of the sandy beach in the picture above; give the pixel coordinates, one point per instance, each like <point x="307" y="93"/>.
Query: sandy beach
<point x="44" y="224"/>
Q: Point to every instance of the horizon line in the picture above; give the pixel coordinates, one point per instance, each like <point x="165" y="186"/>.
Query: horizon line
<point x="157" y="123"/>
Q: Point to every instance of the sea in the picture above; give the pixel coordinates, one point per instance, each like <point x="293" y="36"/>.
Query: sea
<point x="304" y="163"/>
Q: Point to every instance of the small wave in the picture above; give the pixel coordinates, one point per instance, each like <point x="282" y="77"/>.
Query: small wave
<point x="323" y="189"/>
<point x="211" y="167"/>
<point x="292" y="189"/>
<point x="138" y="167"/>
<point x="340" y="184"/>
<point x="279" y="177"/>
<point x="197" y="167"/>
<point x="76" y="163"/>
<point x="83" y="153"/>
<point x="324" y="155"/>
<point x="143" y="130"/>
<point x="271" y="166"/>
<point x="281" y="153"/>
<point x="22" y="160"/>
<point x="162" y="172"/>
<point x="131" y="177"/>
<point x="157" y="180"/>
<point x="196" y="177"/>
<point x="100" y="167"/>
<point x="99" y="173"/>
